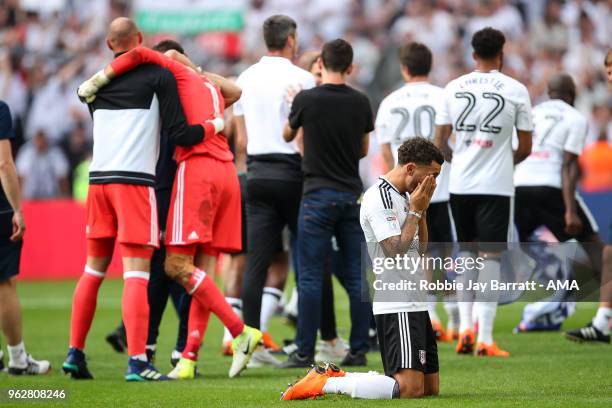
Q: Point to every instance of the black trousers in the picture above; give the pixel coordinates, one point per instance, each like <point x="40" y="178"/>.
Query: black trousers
<point x="160" y="288"/>
<point x="271" y="205"/>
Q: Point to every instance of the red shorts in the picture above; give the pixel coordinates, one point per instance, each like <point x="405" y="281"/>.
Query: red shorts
<point x="205" y="206"/>
<point x="126" y="212"/>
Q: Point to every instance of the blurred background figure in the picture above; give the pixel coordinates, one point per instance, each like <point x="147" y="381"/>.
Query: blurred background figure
<point x="42" y="169"/>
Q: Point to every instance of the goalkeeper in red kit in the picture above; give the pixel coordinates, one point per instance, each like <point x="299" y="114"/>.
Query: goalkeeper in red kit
<point x="205" y="204"/>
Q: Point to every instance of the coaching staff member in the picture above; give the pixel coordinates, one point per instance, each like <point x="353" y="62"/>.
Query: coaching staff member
<point x="337" y="121"/>
<point x="274" y="176"/>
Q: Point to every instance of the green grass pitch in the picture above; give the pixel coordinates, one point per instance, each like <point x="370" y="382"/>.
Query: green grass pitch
<point x="543" y="370"/>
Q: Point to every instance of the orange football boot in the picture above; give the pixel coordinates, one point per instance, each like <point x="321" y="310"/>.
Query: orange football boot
<point x="309" y="387"/>
<point x="490" y="350"/>
<point x="333" y="370"/>
<point x="453" y="334"/>
<point x="269" y="343"/>
<point x="441" y="334"/>
<point x="465" y="345"/>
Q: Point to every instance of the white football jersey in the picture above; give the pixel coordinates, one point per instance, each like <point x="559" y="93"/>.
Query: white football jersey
<point x="409" y="112"/>
<point x="558" y="128"/>
<point x="383" y="213"/>
<point x="484" y="108"/>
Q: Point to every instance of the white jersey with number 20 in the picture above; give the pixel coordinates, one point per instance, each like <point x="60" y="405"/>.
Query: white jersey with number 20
<point x="408" y="112"/>
<point x="484" y="108"/>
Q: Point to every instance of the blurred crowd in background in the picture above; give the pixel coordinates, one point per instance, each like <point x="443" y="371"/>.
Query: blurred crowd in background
<point x="48" y="47"/>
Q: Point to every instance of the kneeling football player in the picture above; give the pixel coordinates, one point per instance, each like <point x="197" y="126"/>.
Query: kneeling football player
<point x="393" y="219"/>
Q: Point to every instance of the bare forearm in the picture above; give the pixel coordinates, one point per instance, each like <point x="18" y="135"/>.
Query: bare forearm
<point x="569" y="180"/>
<point x="387" y="155"/>
<point x="400" y="244"/>
<point x="288" y="133"/>
<point x="230" y="91"/>
<point x="442" y="134"/>
<point x="423" y="233"/>
<point x="10" y="184"/>
<point x="524" y="146"/>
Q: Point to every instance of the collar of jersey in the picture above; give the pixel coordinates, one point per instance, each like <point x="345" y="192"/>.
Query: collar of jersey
<point x="387" y="182"/>
<point x="274" y="59"/>
<point x="493" y="71"/>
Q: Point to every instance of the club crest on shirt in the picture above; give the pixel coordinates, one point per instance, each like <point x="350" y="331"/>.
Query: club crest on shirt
<point x="422" y="356"/>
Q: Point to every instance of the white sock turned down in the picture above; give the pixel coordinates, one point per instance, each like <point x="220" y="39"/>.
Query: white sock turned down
<point x="236" y="305"/>
<point x="601" y="321"/>
<point x="269" y="303"/>
<point x="17" y="355"/>
<point x="362" y="385"/>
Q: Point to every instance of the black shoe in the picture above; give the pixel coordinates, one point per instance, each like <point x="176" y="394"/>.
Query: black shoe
<point x="76" y="366"/>
<point x="117" y="340"/>
<point x="589" y="333"/>
<point x="296" y="360"/>
<point x="354" y="360"/>
<point x="2" y="363"/>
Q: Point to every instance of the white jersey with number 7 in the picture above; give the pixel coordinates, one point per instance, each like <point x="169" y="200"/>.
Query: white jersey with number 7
<point x="484" y="108"/>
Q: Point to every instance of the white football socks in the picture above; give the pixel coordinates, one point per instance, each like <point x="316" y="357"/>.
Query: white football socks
<point x="486" y="305"/>
<point x="236" y="305"/>
<point x="269" y="303"/>
<point x="601" y="321"/>
<point x="364" y="386"/>
<point x="452" y="312"/>
<point x="465" y="298"/>
<point x="17" y="355"/>
<point x="432" y="302"/>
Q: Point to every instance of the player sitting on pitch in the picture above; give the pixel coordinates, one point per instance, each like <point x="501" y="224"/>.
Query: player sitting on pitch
<point x="393" y="219"/>
<point x="205" y="203"/>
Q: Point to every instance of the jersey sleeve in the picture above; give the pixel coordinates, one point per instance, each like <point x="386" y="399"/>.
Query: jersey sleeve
<point x="382" y="219"/>
<point x="576" y="137"/>
<point x="172" y="114"/>
<point x="443" y="116"/>
<point x="524" y="116"/>
<point x="6" y="122"/>
<point x="138" y="56"/>
<point x="381" y="125"/>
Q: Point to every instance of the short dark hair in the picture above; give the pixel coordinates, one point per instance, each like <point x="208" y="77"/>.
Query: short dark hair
<point x="608" y="59"/>
<point x="488" y="43"/>
<point x="337" y="55"/>
<point x="416" y="57"/>
<point x="276" y="31"/>
<point x="562" y="86"/>
<point x="167" y="45"/>
<point x="419" y="150"/>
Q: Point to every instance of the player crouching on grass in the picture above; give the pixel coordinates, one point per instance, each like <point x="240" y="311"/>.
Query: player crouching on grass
<point x="393" y="219"/>
<point x="205" y="209"/>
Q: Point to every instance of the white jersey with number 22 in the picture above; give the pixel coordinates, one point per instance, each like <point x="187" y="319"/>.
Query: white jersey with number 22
<point x="484" y="108"/>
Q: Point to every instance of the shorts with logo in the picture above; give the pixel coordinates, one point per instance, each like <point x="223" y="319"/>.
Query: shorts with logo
<point x="10" y="252"/>
<point x="407" y="340"/>
<point x="126" y="212"/>
<point x="205" y="209"/>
